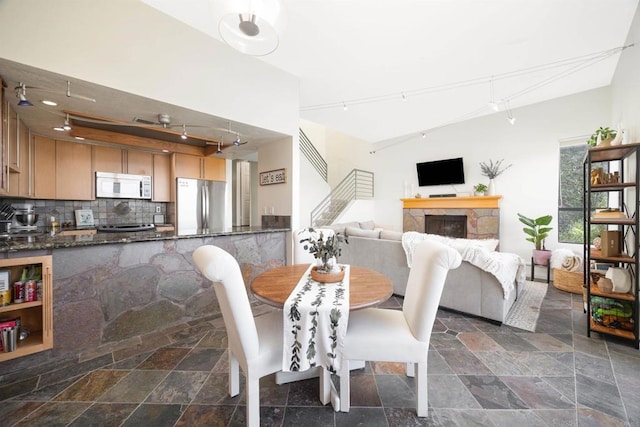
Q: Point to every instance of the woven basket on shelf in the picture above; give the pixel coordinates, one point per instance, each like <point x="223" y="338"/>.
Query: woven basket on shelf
<point x="568" y="281"/>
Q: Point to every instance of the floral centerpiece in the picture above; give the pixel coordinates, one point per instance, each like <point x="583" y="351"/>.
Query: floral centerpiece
<point x="326" y="249"/>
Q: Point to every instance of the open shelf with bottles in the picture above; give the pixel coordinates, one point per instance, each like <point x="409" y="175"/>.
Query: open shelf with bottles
<point x="36" y="317"/>
<point x="615" y="172"/>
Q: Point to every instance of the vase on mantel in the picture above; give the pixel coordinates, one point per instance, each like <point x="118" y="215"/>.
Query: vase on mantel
<point x="491" y="188"/>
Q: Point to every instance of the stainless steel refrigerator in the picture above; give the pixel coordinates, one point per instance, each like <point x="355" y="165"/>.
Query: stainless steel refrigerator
<point x="200" y="206"/>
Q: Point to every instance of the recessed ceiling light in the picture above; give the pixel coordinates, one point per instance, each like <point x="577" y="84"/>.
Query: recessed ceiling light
<point x="165" y="151"/>
<point x="79" y="138"/>
<point x="48" y="102"/>
<point x="59" y="128"/>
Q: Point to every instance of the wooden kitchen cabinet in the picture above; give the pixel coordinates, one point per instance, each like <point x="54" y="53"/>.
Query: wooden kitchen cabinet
<point x="188" y="166"/>
<point x="36" y="316"/>
<point x="74" y="180"/>
<point x="214" y="168"/>
<point x="117" y="160"/>
<point x="44" y="167"/>
<point x="25" y="181"/>
<point x="107" y="159"/>
<point x="4" y="170"/>
<point x="139" y="162"/>
<point x="162" y="182"/>
<point x="13" y="154"/>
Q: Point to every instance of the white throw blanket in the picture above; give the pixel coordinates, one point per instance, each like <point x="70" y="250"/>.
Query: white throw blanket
<point x="315" y="324"/>
<point x="506" y="267"/>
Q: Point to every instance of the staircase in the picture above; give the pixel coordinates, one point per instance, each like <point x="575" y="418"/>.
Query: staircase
<point x="357" y="185"/>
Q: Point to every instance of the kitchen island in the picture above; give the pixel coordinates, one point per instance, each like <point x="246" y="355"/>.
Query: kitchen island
<point x="120" y="295"/>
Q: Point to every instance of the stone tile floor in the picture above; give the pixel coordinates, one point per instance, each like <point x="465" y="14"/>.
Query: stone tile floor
<point x="479" y="374"/>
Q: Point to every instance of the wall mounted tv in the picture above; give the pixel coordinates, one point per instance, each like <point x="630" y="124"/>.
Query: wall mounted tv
<point x="440" y="172"/>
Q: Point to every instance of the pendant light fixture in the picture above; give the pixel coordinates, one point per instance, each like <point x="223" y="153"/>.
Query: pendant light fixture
<point x="21" y="93"/>
<point x="184" y="132"/>
<point x="218" y="151"/>
<point x="65" y="127"/>
<point x="250" y="26"/>
<point x="492" y="103"/>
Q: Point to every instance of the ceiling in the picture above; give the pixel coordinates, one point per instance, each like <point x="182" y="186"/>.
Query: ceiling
<point x="441" y="54"/>
<point x="400" y="67"/>
<point x="127" y="113"/>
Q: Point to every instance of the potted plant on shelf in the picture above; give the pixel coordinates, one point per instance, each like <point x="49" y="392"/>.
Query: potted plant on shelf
<point x="480" y="189"/>
<point x="602" y="137"/>
<point x="537" y="230"/>
<point x="326" y="249"/>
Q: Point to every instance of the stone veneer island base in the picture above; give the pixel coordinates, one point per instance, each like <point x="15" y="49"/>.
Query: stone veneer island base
<point x="115" y="301"/>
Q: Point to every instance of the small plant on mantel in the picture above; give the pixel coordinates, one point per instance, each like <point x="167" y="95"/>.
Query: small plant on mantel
<point x="324" y="248"/>
<point x="480" y="188"/>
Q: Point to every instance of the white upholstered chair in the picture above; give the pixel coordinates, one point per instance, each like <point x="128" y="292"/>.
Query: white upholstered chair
<point x="255" y="344"/>
<point x="387" y="335"/>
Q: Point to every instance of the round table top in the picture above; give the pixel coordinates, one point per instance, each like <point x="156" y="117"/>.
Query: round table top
<point x="366" y="287"/>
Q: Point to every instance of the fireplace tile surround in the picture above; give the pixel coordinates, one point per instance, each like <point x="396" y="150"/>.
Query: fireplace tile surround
<point x="482" y="212"/>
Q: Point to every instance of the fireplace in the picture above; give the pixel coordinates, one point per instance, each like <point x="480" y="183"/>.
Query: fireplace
<point x="482" y="216"/>
<point x="446" y="225"/>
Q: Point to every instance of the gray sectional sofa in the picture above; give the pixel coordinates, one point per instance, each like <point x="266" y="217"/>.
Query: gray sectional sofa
<point x="468" y="289"/>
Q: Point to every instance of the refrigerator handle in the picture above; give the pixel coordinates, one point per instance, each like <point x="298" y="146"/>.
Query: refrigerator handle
<point x="205" y="206"/>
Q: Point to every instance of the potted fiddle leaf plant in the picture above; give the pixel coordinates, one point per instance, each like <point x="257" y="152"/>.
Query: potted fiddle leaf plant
<point x="537" y="229"/>
<point x="326" y="249"/>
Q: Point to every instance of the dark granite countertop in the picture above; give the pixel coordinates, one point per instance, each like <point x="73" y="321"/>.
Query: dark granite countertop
<point x="42" y="239"/>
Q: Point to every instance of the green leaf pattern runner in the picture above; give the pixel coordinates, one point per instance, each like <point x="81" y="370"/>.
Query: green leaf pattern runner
<point x="315" y="323"/>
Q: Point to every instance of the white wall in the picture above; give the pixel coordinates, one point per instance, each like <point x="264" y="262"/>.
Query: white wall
<point x="530" y="186"/>
<point x="345" y="153"/>
<point x="625" y="87"/>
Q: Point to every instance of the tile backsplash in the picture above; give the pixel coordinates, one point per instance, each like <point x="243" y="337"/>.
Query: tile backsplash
<point x="105" y="211"/>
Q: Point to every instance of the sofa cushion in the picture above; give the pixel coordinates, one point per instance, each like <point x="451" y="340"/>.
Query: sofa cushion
<point x="391" y="235"/>
<point x="367" y="225"/>
<point x="340" y="228"/>
<point x="358" y="232"/>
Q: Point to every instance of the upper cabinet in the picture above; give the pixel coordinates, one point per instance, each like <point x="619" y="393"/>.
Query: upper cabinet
<point x="74" y="180"/>
<point x="44" y="167"/>
<point x="161" y="178"/>
<point x="117" y="160"/>
<point x="188" y="166"/>
<point x="4" y="170"/>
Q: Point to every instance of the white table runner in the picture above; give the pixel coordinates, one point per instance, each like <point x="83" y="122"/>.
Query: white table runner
<point x="315" y="323"/>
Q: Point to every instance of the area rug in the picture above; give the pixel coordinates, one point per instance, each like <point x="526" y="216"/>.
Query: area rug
<point x="525" y="311"/>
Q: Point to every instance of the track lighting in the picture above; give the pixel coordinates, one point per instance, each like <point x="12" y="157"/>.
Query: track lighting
<point x="66" y="126"/>
<point x="236" y="141"/>
<point x="510" y="118"/>
<point x="21" y="93"/>
<point x="344" y="106"/>
<point x="424" y="135"/>
<point x="184" y="132"/>
<point x="492" y="104"/>
<point x="404" y="97"/>
<point x="219" y="151"/>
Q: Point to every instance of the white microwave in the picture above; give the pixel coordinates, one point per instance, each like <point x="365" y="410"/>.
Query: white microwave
<point x="123" y="186"/>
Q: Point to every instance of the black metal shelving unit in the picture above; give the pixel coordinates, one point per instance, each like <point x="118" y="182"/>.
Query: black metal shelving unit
<point x="627" y="158"/>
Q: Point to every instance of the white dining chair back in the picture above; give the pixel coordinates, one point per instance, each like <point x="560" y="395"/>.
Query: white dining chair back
<point x="428" y="273"/>
<point x="255" y="344"/>
<point x="403" y="336"/>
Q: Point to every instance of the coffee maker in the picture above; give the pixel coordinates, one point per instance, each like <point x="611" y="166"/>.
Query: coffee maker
<point x="24" y="217"/>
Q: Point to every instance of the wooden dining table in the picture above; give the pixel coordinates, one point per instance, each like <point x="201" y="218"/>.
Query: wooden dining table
<point x="367" y="287"/>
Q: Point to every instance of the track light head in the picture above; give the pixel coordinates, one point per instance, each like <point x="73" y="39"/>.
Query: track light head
<point x="184" y="132"/>
<point x="511" y="120"/>
<point x="218" y="151"/>
<point x="21" y="93"/>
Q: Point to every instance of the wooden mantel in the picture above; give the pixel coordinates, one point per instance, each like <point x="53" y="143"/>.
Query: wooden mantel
<point x="474" y="202"/>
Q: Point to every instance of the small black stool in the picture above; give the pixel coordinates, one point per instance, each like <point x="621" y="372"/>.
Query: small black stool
<point x="548" y="265"/>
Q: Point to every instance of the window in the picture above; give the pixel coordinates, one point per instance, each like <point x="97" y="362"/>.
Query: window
<point x="571" y="195"/>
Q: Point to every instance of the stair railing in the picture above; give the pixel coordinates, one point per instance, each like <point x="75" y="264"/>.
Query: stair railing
<point x="312" y="154"/>
<point x="357" y="185"/>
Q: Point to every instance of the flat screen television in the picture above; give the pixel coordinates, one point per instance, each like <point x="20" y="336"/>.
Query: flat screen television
<point x="440" y="172"/>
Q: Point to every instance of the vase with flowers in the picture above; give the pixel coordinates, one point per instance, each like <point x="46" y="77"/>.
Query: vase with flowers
<point x="492" y="170"/>
<point x="325" y="248"/>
